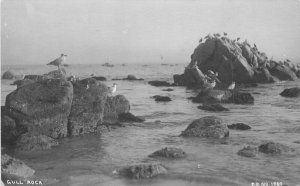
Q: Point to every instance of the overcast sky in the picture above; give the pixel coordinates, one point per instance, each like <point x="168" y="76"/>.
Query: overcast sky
<point x="140" y="31"/>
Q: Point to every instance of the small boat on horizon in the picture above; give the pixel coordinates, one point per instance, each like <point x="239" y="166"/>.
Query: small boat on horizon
<point x="107" y="65"/>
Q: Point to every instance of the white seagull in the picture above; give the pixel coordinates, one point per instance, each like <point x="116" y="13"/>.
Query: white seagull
<point x="231" y="86"/>
<point x="57" y="62"/>
<point x="113" y="89"/>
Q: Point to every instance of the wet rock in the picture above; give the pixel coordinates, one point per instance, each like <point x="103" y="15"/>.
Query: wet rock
<point x="248" y="152"/>
<point x="22" y="82"/>
<point x="291" y="92"/>
<point x="115" y="106"/>
<point x="209" y="126"/>
<point x="8" y="75"/>
<point x="240" y="98"/>
<point x="42" y="107"/>
<point x="143" y="171"/>
<point x="56" y="74"/>
<point x="168" y="89"/>
<point x="159" y="83"/>
<point x="213" y="107"/>
<point x="87" y="106"/>
<point x="28" y="142"/>
<point x="169" y="152"/>
<point x="162" y="98"/>
<point x="273" y="148"/>
<point x="283" y="72"/>
<point x="128" y="117"/>
<point x="225" y="96"/>
<point x="239" y="126"/>
<point x="15" y="167"/>
<point x="131" y="77"/>
<point x="8" y="130"/>
<point x="99" y="78"/>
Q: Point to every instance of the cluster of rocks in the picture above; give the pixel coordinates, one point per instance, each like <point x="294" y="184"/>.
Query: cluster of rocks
<point x="223" y="96"/>
<point x="206" y="127"/>
<point x="234" y="62"/>
<point x="270" y="148"/>
<point x="49" y="107"/>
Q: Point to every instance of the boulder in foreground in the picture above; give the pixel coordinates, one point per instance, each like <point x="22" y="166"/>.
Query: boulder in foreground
<point x="15" y="167"/>
<point x="291" y="92"/>
<point x="45" y="104"/>
<point x="209" y="127"/>
<point x="169" y="152"/>
<point x="143" y="171"/>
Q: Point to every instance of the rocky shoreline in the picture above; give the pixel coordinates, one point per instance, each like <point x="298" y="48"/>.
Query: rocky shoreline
<point x="45" y="108"/>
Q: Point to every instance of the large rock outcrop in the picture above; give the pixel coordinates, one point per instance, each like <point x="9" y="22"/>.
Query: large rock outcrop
<point x="87" y="106"/>
<point x="42" y="107"/>
<point x="234" y="61"/>
<point x="209" y="127"/>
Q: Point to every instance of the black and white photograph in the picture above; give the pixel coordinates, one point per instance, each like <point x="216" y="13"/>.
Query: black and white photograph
<point x="150" y="92"/>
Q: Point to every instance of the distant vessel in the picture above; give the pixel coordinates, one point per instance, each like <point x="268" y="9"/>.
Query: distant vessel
<point x="107" y="65"/>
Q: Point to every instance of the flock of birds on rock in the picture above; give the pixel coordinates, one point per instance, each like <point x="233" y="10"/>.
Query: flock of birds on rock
<point x="217" y="35"/>
<point x="212" y="81"/>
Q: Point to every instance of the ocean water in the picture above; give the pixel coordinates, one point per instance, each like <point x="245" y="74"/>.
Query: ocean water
<point x="91" y="159"/>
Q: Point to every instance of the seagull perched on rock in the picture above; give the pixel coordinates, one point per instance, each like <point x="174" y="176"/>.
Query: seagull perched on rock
<point x="231" y="86"/>
<point x="57" y="62"/>
<point x="113" y="89"/>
